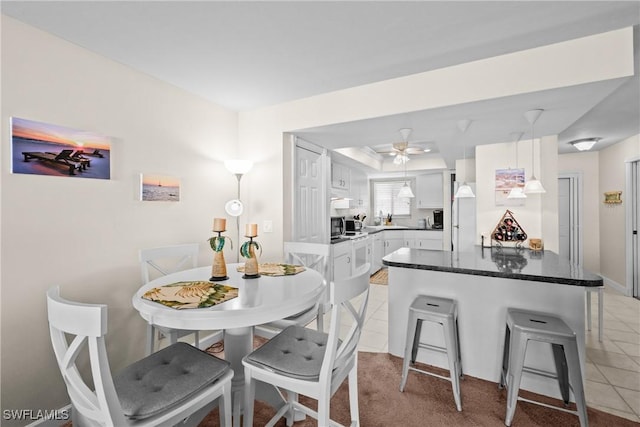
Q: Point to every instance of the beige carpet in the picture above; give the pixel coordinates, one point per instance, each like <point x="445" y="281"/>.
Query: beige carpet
<point x="381" y="277"/>
<point x="428" y="401"/>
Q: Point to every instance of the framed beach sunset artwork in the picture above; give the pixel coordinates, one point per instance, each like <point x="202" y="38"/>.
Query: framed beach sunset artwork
<point x="47" y="149"/>
<point x="159" y="188"/>
<point x="506" y="179"/>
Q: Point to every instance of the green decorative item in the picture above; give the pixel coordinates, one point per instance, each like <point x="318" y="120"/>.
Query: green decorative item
<point x="247" y="250"/>
<point x="219" y="267"/>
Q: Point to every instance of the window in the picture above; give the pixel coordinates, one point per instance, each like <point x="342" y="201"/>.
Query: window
<point x="385" y="198"/>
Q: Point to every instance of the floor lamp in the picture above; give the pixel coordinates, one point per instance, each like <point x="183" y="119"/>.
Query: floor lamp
<point x="235" y="207"/>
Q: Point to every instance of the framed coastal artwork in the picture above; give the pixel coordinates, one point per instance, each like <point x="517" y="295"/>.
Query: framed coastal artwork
<point x="159" y="188"/>
<point x="506" y="179"/>
<point x="47" y="149"/>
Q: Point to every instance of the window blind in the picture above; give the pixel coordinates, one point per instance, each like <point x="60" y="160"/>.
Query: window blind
<point x="385" y="198"/>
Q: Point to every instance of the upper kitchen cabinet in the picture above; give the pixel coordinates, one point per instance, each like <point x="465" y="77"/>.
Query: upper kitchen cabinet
<point x="359" y="190"/>
<point x="340" y="176"/>
<point x="429" y="192"/>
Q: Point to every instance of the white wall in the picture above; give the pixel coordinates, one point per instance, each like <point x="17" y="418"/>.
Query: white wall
<point x="587" y="165"/>
<point x="538" y="216"/>
<point x="612" y="217"/>
<point x="566" y="64"/>
<point x="84" y="234"/>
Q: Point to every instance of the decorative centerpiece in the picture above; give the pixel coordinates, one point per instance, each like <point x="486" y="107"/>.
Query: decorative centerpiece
<point x="219" y="267"/>
<point x="247" y="250"/>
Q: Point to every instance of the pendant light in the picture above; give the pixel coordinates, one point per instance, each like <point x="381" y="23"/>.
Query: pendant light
<point x="516" y="192"/>
<point x="405" y="192"/>
<point x="464" y="191"/>
<point x="533" y="185"/>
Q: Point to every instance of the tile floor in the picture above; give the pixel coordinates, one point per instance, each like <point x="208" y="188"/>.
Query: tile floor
<point x="613" y="366"/>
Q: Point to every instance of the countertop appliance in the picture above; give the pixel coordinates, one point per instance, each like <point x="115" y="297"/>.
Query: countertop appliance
<point x="422" y="223"/>
<point x="337" y="227"/>
<point x="353" y="225"/>
<point x="437" y="219"/>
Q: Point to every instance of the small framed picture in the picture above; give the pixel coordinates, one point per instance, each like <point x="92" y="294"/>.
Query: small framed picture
<point x="613" y="197"/>
<point x="159" y="188"/>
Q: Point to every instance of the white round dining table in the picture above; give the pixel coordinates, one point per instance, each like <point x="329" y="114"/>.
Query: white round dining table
<point x="260" y="300"/>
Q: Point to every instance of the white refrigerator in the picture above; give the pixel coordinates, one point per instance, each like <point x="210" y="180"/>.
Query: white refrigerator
<point x="463" y="219"/>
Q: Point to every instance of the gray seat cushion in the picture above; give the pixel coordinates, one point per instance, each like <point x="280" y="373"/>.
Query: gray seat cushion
<point x="166" y="378"/>
<point x="296" y="352"/>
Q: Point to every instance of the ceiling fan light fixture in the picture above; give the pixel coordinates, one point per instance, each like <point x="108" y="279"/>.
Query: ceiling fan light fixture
<point x="584" y="144"/>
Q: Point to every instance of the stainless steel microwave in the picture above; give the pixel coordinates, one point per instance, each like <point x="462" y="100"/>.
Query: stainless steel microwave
<point x="337" y="226"/>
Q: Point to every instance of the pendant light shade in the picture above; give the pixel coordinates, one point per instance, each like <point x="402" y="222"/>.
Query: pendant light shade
<point x="464" y="191"/>
<point x="533" y="185"/>
<point x="405" y="191"/>
<point x="516" y="193"/>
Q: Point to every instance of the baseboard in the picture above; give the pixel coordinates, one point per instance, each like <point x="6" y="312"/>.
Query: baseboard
<point x="57" y="418"/>
<point x="616" y="286"/>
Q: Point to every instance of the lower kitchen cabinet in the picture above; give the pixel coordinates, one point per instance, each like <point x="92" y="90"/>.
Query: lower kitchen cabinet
<point x="341" y="260"/>
<point x="377" y="244"/>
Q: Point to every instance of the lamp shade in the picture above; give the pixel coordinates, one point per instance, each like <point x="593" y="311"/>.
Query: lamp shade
<point x="533" y="186"/>
<point x="234" y="207"/>
<point x="516" y="193"/>
<point x="405" y="192"/>
<point x="238" y="166"/>
<point x="464" y="192"/>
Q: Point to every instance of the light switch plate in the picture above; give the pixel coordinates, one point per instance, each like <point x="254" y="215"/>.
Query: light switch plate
<point x="267" y="226"/>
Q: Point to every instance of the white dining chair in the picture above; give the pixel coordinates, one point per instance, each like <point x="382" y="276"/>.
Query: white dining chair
<point x="162" y="261"/>
<point x="312" y="363"/>
<point x="179" y="384"/>
<point x="314" y="256"/>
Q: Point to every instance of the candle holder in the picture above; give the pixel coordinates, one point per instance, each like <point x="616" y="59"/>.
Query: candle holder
<point x="219" y="267"/>
<point x="251" y="265"/>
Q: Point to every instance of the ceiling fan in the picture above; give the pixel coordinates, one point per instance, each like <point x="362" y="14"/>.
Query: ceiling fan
<point x="401" y="150"/>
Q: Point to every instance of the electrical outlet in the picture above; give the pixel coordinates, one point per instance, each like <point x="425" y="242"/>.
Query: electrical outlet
<point x="267" y="226"/>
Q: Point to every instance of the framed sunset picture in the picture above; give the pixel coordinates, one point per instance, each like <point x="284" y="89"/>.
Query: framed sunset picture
<point x="159" y="188"/>
<point x="47" y="149"/>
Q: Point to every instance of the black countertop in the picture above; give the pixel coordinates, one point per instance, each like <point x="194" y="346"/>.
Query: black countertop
<point x="509" y="263"/>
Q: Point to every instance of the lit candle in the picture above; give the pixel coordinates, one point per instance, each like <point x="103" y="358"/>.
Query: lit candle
<point x="251" y="230"/>
<point x="219" y="224"/>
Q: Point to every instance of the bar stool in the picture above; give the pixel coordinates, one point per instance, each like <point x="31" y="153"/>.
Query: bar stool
<point x="444" y="312"/>
<point x="523" y="326"/>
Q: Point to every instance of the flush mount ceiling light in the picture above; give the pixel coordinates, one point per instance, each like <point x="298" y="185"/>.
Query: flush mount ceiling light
<point x="584" y="144"/>
<point x="533" y="185"/>
<point x="464" y="191"/>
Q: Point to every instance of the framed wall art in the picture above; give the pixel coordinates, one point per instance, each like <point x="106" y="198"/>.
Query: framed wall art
<point x="48" y="149"/>
<point x="506" y="179"/>
<point x="159" y="188"/>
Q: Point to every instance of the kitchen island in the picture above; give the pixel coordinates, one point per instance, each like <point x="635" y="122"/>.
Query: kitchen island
<point x="485" y="282"/>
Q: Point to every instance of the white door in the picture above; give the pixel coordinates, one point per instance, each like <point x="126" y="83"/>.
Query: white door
<point x="633" y="227"/>
<point x="311" y="221"/>
<point x="564" y="219"/>
<point x="570" y="217"/>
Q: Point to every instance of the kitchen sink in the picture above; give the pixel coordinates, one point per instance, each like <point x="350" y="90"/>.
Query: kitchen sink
<point x="385" y="227"/>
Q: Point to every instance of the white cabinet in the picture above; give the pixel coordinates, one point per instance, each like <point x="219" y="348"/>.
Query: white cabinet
<point x="359" y="189"/>
<point x="429" y="191"/>
<point x="340" y="176"/>
<point x="393" y="240"/>
<point x="341" y="261"/>
<point x="377" y="252"/>
<point x="423" y="239"/>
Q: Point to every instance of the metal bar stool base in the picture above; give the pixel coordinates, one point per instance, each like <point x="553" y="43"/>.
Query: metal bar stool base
<point x="444" y="312"/>
<point x="523" y="326"/>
